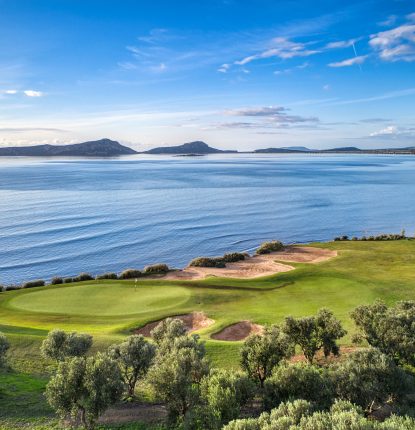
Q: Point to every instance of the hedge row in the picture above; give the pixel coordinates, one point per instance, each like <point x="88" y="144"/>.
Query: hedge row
<point x="379" y="237"/>
<point x="218" y="261"/>
<point x="153" y="269"/>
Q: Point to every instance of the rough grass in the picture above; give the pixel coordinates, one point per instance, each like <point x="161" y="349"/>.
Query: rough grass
<point x="110" y="309"/>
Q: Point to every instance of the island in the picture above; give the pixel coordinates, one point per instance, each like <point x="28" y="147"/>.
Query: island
<point x="198" y="147"/>
<point x="95" y="148"/>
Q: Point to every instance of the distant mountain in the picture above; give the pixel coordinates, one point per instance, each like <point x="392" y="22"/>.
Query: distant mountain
<point x="342" y="149"/>
<point x="95" y="148"/>
<point x="278" y="151"/>
<point x="298" y="148"/>
<point x="197" y="147"/>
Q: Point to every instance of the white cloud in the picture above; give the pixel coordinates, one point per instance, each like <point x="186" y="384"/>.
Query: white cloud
<point x="393" y="132"/>
<point x="397" y="44"/>
<point x="10" y="91"/>
<point x="342" y="44"/>
<point x="349" y="62"/>
<point x="390" y="20"/>
<point x="270" y="116"/>
<point x="389" y="130"/>
<point x="411" y="16"/>
<point x="281" y="47"/>
<point x="33" y="93"/>
<point x="289" y="70"/>
<point x="224" y="68"/>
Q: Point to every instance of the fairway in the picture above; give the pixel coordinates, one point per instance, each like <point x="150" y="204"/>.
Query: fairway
<point x="109" y="299"/>
<point x="109" y="310"/>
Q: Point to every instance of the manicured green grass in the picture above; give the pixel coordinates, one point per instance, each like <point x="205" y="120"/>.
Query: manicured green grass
<point x="362" y="272"/>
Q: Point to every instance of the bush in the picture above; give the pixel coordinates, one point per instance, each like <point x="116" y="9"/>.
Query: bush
<point x="67" y="280"/>
<point x="298" y="381"/>
<point x="268" y="247"/>
<point x="33" y="284"/>
<point x="208" y="262"/>
<point x="233" y="257"/>
<point x="130" y="273"/>
<point x="56" y="280"/>
<point x="109" y="275"/>
<point x="155" y="269"/>
<point x="83" y="277"/>
<point x="12" y="287"/>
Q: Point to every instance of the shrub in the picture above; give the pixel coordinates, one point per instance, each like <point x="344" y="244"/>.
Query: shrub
<point x="83" y="277"/>
<point x="207" y="262"/>
<point x="268" y="247"/>
<point x="59" y="345"/>
<point x="67" y="280"/>
<point x="369" y="377"/>
<point x="298" y="381"/>
<point x="109" y="275"/>
<point x="12" y="288"/>
<point x="155" y="269"/>
<point x="233" y="257"/>
<point x="82" y="389"/>
<point x="130" y="273"/>
<point x="33" y="284"/>
<point x="261" y="353"/>
<point x="56" y="280"/>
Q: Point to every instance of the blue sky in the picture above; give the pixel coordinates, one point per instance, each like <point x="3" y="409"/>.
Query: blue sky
<point x="237" y="74"/>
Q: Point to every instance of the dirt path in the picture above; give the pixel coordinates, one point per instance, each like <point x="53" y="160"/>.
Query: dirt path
<point x="258" y="265"/>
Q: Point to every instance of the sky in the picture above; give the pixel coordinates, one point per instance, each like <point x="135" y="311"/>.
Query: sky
<point x="237" y="74"/>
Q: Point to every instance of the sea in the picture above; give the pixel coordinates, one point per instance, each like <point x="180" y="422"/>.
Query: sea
<point x="60" y="217"/>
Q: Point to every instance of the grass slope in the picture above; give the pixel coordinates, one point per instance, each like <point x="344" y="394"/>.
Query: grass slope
<point x="362" y="272"/>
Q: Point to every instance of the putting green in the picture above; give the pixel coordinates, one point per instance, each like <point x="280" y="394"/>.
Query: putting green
<point x="114" y="299"/>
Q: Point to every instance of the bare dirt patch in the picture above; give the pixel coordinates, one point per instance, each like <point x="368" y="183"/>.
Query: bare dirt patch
<point x="258" y="265"/>
<point x="192" y="322"/>
<point x="320" y="359"/>
<point x="238" y="331"/>
<point x="129" y="412"/>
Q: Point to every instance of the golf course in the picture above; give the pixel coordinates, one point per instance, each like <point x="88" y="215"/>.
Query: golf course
<point x="110" y="310"/>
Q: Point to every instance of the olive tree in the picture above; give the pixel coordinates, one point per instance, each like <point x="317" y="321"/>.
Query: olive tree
<point x="60" y="345"/>
<point x="300" y="415"/>
<point x="222" y="394"/>
<point x="177" y="372"/>
<point x="368" y="377"/>
<point x="134" y="356"/>
<point x="167" y="330"/>
<point x="83" y="388"/>
<point x="298" y="381"/>
<point x="261" y="353"/>
<point x="390" y="329"/>
<point x="315" y="333"/>
<point x="4" y="346"/>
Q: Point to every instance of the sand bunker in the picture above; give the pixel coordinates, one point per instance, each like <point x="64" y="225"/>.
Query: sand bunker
<point x="192" y="322"/>
<point x="238" y="331"/>
<point x="258" y="265"/>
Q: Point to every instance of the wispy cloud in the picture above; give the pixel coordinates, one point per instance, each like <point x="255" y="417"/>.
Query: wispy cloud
<point x="26" y="129"/>
<point x="374" y="120"/>
<point x="394" y="132"/>
<point x="349" y="62"/>
<point x="292" y="69"/>
<point x="390" y="20"/>
<point x="342" y="43"/>
<point x="282" y="48"/>
<point x="267" y="117"/>
<point x="397" y="44"/>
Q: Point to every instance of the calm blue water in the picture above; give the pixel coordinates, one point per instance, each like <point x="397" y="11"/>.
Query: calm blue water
<point x="61" y="217"/>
